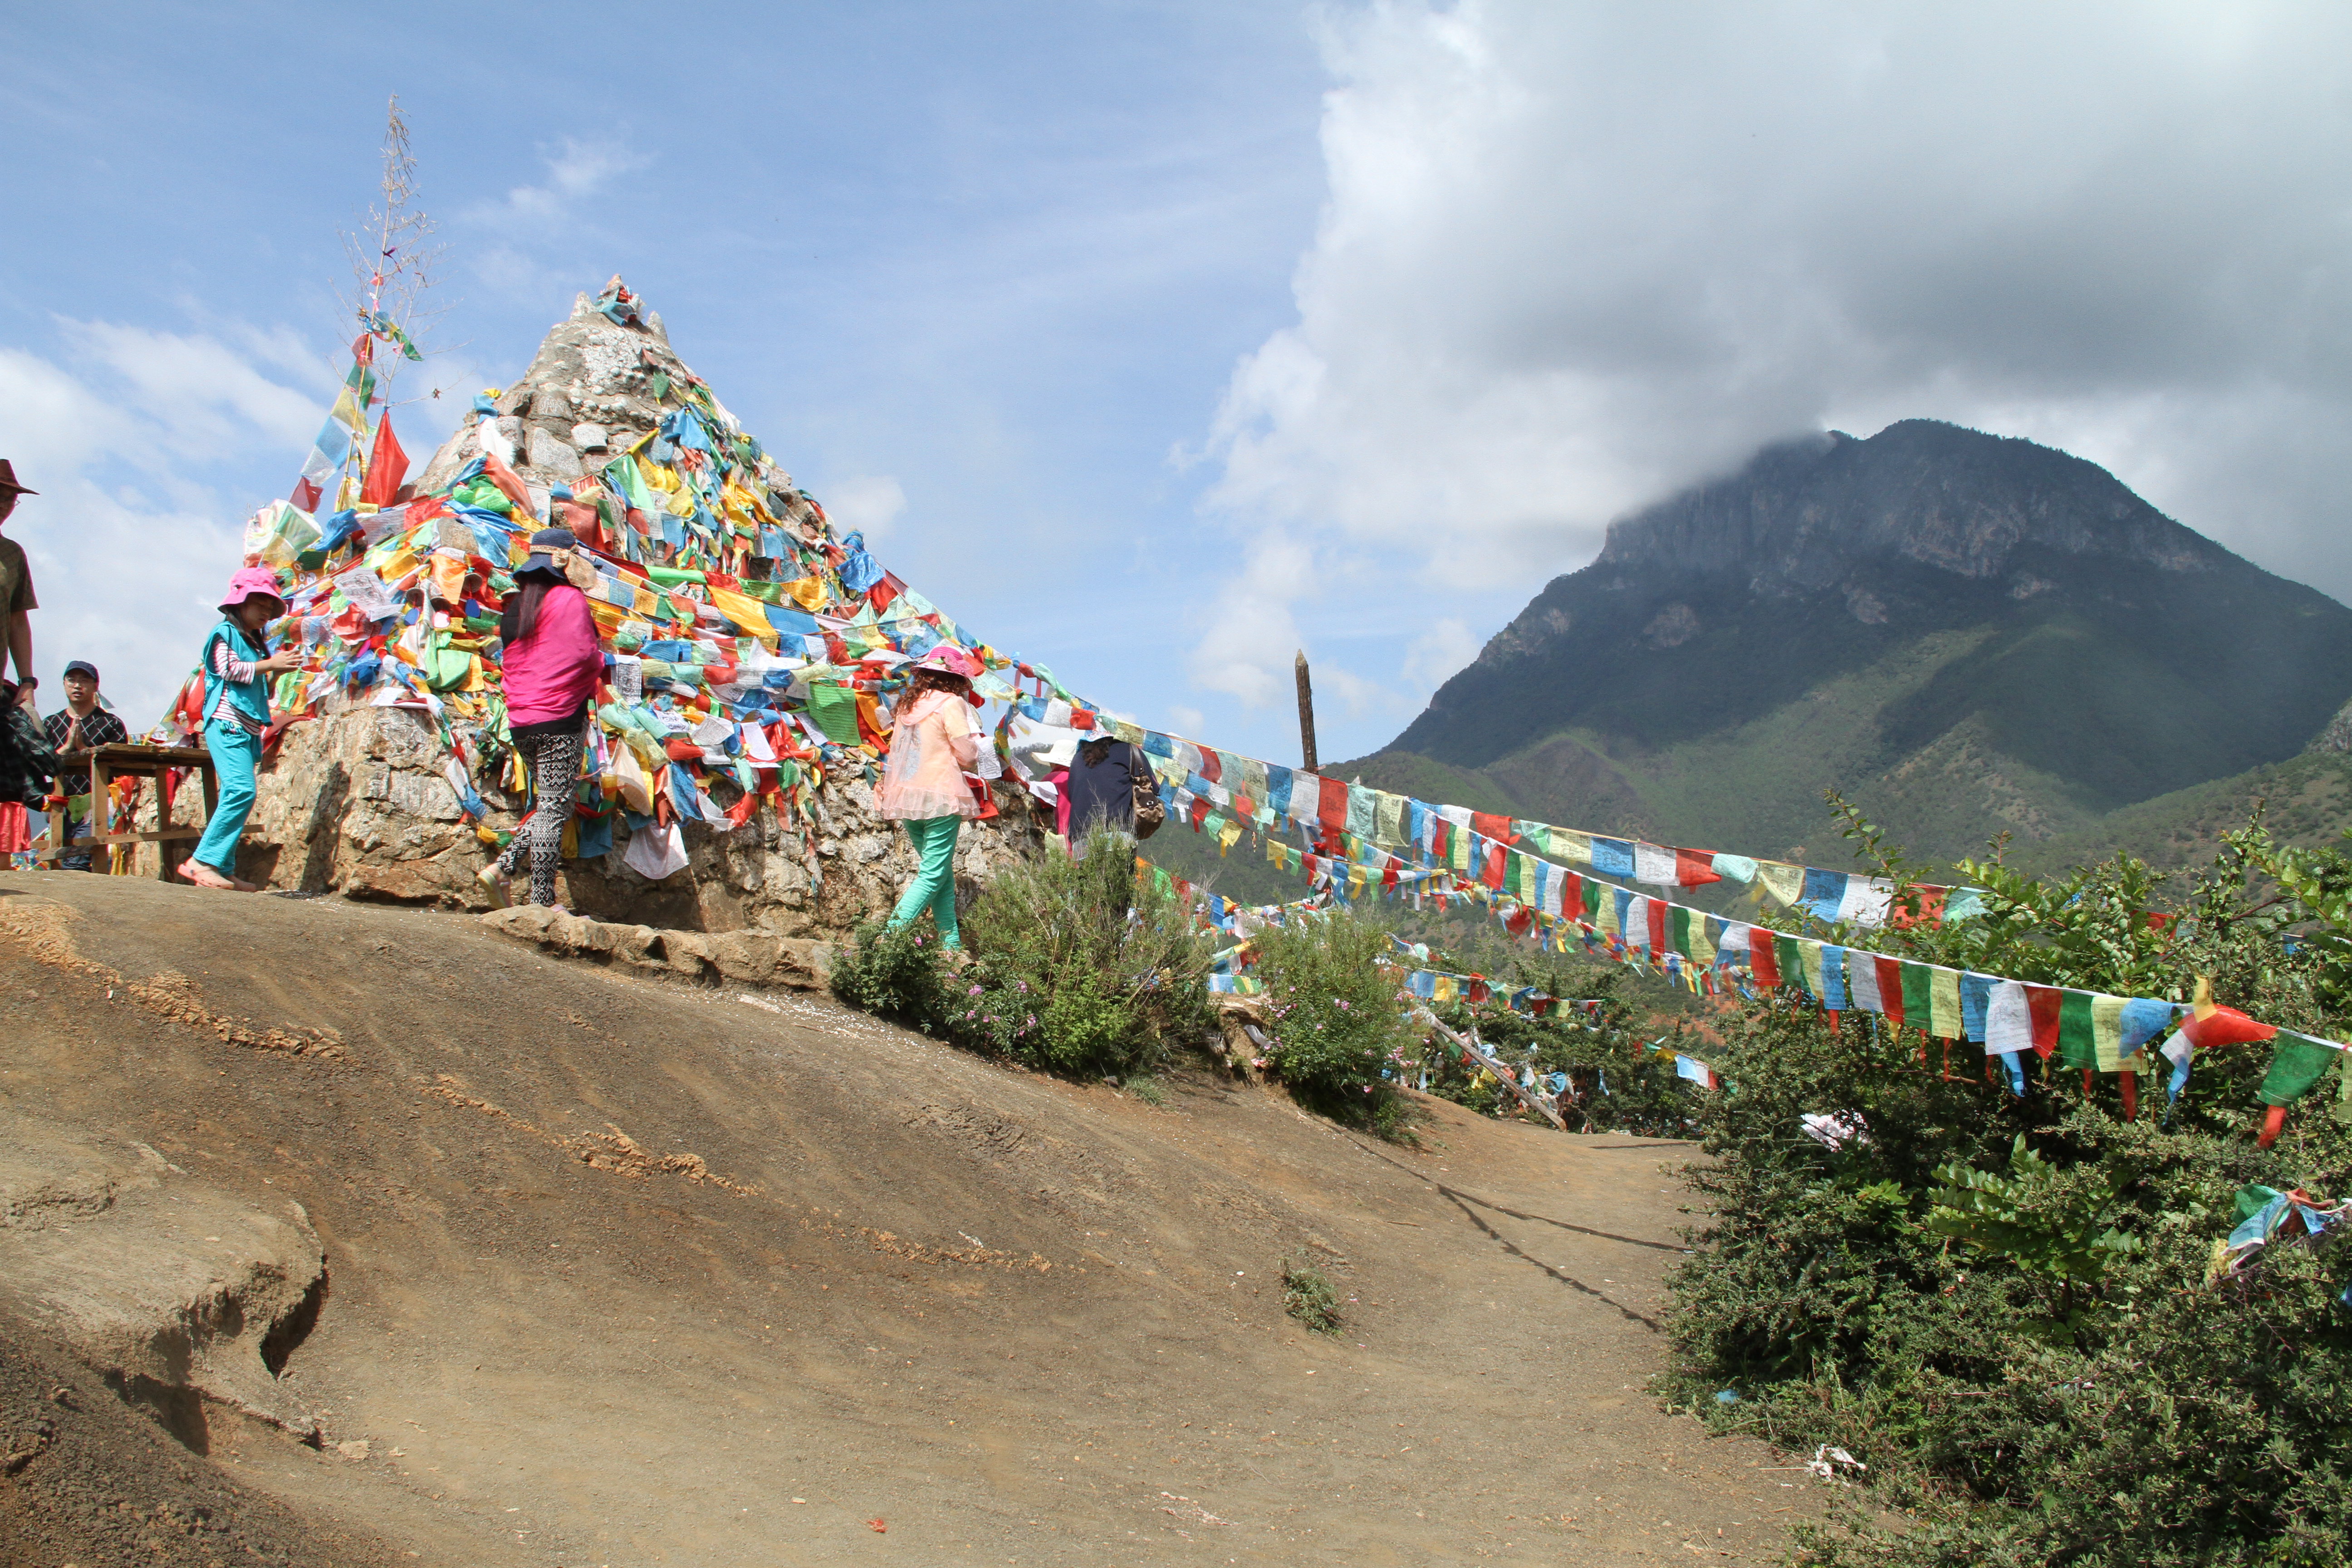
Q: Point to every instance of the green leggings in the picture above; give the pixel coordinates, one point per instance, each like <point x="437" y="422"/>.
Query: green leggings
<point x="934" y="885"/>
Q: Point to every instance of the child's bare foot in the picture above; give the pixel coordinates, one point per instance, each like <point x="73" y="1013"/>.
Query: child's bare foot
<point x="203" y="875"/>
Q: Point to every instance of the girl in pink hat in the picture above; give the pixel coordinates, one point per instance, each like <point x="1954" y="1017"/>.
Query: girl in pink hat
<point x="236" y="712"/>
<point x="932" y="742"/>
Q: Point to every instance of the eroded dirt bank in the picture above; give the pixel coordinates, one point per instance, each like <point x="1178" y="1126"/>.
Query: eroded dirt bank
<point x="624" y="1272"/>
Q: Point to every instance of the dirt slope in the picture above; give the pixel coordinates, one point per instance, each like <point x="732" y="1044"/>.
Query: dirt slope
<point x="626" y="1273"/>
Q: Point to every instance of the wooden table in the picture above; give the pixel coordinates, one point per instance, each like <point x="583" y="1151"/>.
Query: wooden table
<point x="130" y="759"/>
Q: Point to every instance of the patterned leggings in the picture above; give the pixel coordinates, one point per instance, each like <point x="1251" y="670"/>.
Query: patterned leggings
<point x="554" y="777"/>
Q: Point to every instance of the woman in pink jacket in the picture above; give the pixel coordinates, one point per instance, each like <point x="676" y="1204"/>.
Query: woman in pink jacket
<point x="552" y="664"/>
<point x="932" y="742"/>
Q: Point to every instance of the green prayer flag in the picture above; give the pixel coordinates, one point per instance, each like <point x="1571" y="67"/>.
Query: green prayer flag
<point x="2078" y="1044"/>
<point x="834" y="708"/>
<point x="1790" y="954"/>
<point x="2295" y="1065"/>
<point x="1918" y="1001"/>
<point x="1680" y="918"/>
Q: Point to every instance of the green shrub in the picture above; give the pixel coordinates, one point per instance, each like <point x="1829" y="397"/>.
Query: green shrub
<point x="1618" y="1083"/>
<point x="1308" y="1297"/>
<point x="1336" y="1023"/>
<point x="1078" y="968"/>
<point x="893" y="974"/>
<point x="2034" y="1361"/>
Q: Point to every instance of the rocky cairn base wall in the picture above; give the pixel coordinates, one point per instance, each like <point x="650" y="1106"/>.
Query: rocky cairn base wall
<point x="355" y="804"/>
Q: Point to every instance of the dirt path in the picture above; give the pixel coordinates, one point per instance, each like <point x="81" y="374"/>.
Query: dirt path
<point x="625" y="1273"/>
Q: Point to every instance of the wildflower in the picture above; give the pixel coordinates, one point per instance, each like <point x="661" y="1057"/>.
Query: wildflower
<point x="973" y="992"/>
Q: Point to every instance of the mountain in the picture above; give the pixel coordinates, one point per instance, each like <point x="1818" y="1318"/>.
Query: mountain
<point x="1967" y="634"/>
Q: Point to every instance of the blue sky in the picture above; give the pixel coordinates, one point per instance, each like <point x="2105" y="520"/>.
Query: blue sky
<point x="999" y="262"/>
<point x="1155" y="340"/>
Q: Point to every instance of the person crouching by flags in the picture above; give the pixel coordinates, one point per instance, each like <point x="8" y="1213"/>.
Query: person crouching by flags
<point x="77" y="726"/>
<point x="237" y="713"/>
<point x="932" y="742"/>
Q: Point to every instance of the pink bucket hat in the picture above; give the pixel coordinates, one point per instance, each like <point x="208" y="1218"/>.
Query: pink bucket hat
<point x="250" y="581"/>
<point x="952" y="659"/>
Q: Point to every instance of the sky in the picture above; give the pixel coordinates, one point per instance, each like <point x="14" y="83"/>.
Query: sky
<point x="1156" y="342"/>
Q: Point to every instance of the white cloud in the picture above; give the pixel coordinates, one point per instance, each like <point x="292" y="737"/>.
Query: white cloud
<point x="129" y="539"/>
<point x="1251" y="637"/>
<point x="576" y="170"/>
<point x="868" y="503"/>
<point x="1446" y="647"/>
<point x="1576" y="256"/>
<point x="554" y="216"/>
<point x="196" y="394"/>
<point x="1358" y="697"/>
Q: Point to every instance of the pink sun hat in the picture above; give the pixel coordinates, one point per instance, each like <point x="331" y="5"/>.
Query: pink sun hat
<point x="250" y="581"/>
<point x="950" y="658"/>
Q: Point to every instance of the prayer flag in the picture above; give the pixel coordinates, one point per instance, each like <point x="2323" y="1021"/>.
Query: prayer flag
<point x="1944" y="1013"/>
<point x="1833" y="990"/>
<point x="1862" y="981"/>
<point x="2078" y="1044"/>
<point x="1891" y="1000"/>
<point x="1612" y="856"/>
<point x="1695" y="868"/>
<point x="2047" y="1002"/>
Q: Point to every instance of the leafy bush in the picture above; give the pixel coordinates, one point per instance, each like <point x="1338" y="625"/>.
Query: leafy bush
<point x="893" y="974"/>
<point x="1308" y="1297"/>
<point x="1078" y="968"/>
<point x="1616" y="1082"/>
<point x="2034" y="1361"/>
<point x="1335" y="1018"/>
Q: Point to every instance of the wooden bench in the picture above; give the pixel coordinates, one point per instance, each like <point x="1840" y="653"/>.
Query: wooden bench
<point x="130" y="759"/>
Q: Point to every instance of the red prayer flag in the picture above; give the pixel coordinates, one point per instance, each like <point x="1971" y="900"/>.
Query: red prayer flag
<point x="1657" y="928"/>
<point x="1493" y="875"/>
<point x="1762" y="962"/>
<point x="1695" y="868"/>
<point x="1211" y="769"/>
<point x="1498" y="828"/>
<point x="1333" y="811"/>
<point x="2045" y="1002"/>
<point x="1930" y="899"/>
<point x="2224" y="1027"/>
<point x="387" y="465"/>
<point x="1890" y="988"/>
<point x="306" y="495"/>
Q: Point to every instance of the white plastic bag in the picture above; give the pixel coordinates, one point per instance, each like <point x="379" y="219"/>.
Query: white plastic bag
<point x="656" y="853"/>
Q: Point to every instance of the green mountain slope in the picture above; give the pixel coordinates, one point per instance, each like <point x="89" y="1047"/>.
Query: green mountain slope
<point x="1969" y="634"/>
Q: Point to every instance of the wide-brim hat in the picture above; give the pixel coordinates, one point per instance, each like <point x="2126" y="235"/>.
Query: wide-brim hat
<point x="250" y="581"/>
<point x="950" y="659"/>
<point x="542" y="547"/>
<point x="8" y="481"/>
